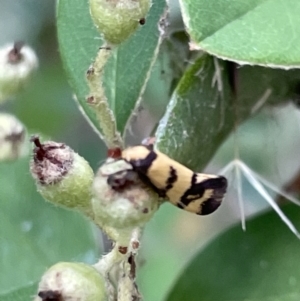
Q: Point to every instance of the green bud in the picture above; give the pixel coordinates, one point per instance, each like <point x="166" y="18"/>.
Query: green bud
<point x="120" y="199"/>
<point x="72" y="282"/>
<point x="12" y="138"/>
<point x="116" y="20"/>
<point x="17" y="63"/>
<point x="62" y="176"/>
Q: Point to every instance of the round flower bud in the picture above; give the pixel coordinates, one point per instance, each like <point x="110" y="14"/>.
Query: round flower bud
<point x="12" y="138"/>
<point x="17" y="63"/>
<point x="120" y="199"/>
<point x="72" y="282"/>
<point x="62" y="176"/>
<point x="116" y="20"/>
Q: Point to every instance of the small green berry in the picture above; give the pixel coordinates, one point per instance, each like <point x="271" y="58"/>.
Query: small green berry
<point x="17" y="64"/>
<point x="12" y="138"/>
<point x="116" y="20"/>
<point x="73" y="282"/>
<point x="62" y="176"/>
<point x="120" y="199"/>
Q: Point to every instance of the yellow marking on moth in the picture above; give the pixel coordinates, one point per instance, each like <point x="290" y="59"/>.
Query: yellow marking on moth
<point x="195" y="205"/>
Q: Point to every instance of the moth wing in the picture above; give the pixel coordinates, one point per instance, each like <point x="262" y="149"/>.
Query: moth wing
<point x="204" y="195"/>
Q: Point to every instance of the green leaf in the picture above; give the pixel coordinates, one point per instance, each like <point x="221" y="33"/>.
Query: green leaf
<point x="21" y="294"/>
<point x="30" y="107"/>
<point x="127" y="70"/>
<point x="260" y="32"/>
<point x="34" y="234"/>
<point x="211" y="98"/>
<point x="261" y="264"/>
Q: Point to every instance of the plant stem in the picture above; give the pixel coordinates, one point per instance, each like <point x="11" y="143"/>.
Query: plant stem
<point x="98" y="100"/>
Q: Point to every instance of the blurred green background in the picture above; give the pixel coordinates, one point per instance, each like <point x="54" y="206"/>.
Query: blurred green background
<point x="35" y="234"/>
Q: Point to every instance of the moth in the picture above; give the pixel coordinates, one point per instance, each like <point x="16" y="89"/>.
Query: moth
<point x="195" y="192"/>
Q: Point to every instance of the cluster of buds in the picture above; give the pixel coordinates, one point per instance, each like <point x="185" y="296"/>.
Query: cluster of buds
<point x="17" y="64"/>
<point x="116" y="199"/>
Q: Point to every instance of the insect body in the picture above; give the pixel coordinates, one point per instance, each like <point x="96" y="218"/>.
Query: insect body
<point x="195" y="192"/>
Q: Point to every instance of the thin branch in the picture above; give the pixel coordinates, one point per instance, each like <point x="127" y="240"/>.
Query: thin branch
<point x="99" y="102"/>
